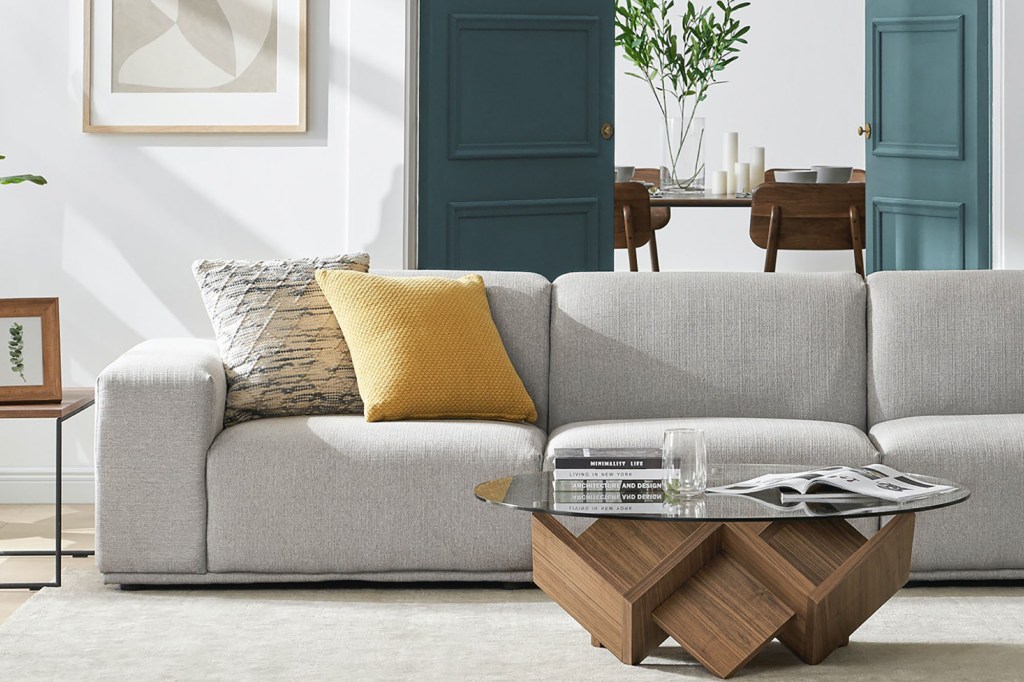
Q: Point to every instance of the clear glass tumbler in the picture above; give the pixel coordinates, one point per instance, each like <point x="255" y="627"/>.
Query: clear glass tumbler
<point x="685" y="461"/>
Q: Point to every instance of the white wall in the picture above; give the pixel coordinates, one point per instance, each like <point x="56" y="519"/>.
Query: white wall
<point x="115" y="232"/>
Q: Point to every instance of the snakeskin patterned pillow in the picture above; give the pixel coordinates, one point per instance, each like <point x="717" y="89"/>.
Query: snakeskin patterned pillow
<point x="282" y="349"/>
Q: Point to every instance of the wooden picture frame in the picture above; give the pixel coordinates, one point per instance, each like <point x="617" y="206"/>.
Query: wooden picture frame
<point x="31" y="350"/>
<point x="193" y="109"/>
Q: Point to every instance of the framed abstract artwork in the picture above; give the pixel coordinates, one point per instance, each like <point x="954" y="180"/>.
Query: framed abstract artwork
<point x="31" y="366"/>
<point x="194" y="66"/>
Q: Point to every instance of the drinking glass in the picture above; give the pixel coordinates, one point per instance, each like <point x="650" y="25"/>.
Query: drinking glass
<point x="685" y="462"/>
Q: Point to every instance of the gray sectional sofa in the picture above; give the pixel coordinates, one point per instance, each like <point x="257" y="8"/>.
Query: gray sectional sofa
<point x="924" y="371"/>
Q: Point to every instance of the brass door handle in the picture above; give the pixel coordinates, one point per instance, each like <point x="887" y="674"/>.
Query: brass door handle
<point x="607" y="131"/>
<point x="864" y="130"/>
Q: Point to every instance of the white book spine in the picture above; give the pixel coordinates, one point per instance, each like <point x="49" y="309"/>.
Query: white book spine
<point x="654" y="474"/>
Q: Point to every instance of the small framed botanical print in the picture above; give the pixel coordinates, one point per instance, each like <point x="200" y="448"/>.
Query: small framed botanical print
<point x="30" y="371"/>
<point x="194" y="66"/>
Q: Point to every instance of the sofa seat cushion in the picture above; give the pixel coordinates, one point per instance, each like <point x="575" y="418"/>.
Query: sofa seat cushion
<point x="985" y="453"/>
<point x="336" y="494"/>
<point x="753" y="441"/>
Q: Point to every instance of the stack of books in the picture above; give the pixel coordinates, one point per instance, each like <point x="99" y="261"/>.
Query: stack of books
<point x="588" y="480"/>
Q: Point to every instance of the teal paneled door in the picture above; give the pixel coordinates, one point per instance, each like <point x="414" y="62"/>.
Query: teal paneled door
<point x="928" y="150"/>
<point x="515" y="129"/>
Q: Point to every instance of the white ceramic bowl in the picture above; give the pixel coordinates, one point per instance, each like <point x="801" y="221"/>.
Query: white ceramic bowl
<point x="802" y="176"/>
<point x="624" y="173"/>
<point x="833" y="173"/>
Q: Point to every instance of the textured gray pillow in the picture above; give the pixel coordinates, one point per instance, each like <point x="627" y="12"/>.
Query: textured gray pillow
<point x="282" y="349"/>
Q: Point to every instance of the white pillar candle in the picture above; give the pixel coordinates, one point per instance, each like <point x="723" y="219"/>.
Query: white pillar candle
<point x="730" y="155"/>
<point x="719" y="182"/>
<point x="742" y="173"/>
<point x="756" y="167"/>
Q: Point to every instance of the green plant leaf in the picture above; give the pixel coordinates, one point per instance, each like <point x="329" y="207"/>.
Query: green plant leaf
<point x="18" y="179"/>
<point x="17" y="347"/>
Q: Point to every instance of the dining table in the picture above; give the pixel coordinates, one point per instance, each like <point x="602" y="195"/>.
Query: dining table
<point x="699" y="200"/>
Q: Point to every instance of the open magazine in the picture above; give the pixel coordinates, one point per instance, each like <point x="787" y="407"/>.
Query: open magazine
<point x="838" y="484"/>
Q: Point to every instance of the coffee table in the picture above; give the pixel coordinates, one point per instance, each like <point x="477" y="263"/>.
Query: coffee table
<point x="722" y="575"/>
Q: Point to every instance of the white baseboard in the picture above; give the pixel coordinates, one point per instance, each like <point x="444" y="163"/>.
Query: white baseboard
<point x="34" y="485"/>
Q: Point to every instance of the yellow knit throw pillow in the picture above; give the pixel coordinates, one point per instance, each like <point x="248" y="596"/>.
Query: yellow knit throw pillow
<point x="425" y="348"/>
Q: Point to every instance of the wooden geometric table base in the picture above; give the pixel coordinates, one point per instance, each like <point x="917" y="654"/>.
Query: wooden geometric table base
<point x="723" y="591"/>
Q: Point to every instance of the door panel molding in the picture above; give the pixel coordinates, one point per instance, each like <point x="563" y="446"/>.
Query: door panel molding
<point x="885" y="145"/>
<point x="937" y="210"/>
<point x="461" y="211"/>
<point x="587" y="143"/>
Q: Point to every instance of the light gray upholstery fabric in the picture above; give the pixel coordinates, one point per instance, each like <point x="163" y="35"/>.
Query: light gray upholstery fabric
<point x="336" y="494"/>
<point x="945" y="343"/>
<point x="641" y="345"/>
<point x="747" y="441"/>
<point x="521" y="307"/>
<point x="377" y="576"/>
<point x="985" y="453"/>
<point x="158" y="409"/>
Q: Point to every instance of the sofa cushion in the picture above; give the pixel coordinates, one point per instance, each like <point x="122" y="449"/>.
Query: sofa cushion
<point x="985" y="453"/>
<point x="282" y="350"/>
<point x="520" y="304"/>
<point x="747" y="441"/>
<point x="674" y="344"/>
<point x="945" y="343"/>
<point x="425" y="348"/>
<point x="341" y="495"/>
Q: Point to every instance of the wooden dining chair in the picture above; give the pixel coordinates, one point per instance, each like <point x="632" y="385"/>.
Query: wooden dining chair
<point x="828" y="217"/>
<point x="660" y="215"/>
<point x="633" y="222"/>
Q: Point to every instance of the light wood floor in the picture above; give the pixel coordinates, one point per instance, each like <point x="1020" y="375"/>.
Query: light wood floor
<point x="30" y="526"/>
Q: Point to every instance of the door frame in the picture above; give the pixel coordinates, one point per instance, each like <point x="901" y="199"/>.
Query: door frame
<point x="997" y="135"/>
<point x="997" y="194"/>
<point x="412" y="135"/>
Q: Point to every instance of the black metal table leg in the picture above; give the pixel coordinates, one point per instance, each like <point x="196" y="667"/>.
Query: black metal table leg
<point x="57" y="552"/>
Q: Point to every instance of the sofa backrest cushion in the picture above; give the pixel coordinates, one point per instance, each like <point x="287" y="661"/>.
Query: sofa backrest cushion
<point x="520" y="305"/>
<point x="945" y="343"/>
<point x="644" y="345"/>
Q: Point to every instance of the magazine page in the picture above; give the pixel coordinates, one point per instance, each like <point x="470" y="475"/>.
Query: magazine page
<point x="877" y="480"/>
<point x="872" y="481"/>
<point x="798" y="481"/>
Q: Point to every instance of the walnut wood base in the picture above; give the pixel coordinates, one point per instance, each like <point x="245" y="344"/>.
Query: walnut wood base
<point x="723" y="591"/>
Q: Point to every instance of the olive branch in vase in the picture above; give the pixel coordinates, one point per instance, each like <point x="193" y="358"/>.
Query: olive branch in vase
<point x="16" y="348"/>
<point x="679" y="65"/>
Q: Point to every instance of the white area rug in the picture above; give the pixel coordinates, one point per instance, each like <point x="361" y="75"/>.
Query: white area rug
<point x="88" y="631"/>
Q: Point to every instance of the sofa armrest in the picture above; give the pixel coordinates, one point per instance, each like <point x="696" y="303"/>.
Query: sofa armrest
<point x="158" y="408"/>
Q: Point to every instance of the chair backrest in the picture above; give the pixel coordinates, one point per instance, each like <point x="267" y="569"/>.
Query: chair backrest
<point x="651" y="175"/>
<point x="633" y="204"/>
<point x="812" y="217"/>
<point x="858" y="174"/>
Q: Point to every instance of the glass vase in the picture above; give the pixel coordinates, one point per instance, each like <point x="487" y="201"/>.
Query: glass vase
<point x="682" y="166"/>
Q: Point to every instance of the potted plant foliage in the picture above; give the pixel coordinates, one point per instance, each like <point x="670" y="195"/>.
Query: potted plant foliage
<point x="17" y="179"/>
<point x="679" y="66"/>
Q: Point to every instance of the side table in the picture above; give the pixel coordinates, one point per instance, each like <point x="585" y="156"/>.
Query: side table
<point x="75" y="400"/>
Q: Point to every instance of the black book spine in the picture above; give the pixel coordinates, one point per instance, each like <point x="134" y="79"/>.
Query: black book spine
<point x="607" y="463"/>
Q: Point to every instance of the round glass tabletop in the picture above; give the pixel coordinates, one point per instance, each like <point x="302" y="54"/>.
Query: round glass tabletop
<point x="535" y="492"/>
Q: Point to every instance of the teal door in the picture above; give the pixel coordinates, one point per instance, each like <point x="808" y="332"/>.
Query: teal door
<point x="516" y="156"/>
<point x="928" y="154"/>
